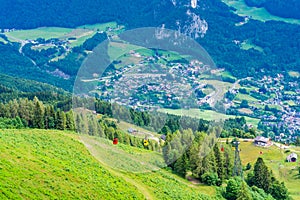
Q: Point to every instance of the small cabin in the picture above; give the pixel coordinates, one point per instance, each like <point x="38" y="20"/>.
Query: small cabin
<point x="132" y="131"/>
<point x="262" y="141"/>
<point x="163" y="137"/>
<point x="292" y="157"/>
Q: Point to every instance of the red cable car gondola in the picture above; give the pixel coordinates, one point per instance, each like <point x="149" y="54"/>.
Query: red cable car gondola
<point x="115" y="141"/>
<point x="222" y="149"/>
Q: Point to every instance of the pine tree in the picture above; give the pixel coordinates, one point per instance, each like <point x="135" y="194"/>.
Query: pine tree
<point x="219" y="163"/>
<point x="4" y="111"/>
<point x="25" y="111"/>
<point x="84" y="125"/>
<point x="208" y="164"/>
<point x="52" y="118"/>
<point x="279" y="191"/>
<point x="92" y="124"/>
<point x="77" y="122"/>
<point x="126" y="139"/>
<point x="232" y="189"/>
<point x="60" y="120"/>
<point x="110" y="132"/>
<point x="167" y="153"/>
<point x="244" y="193"/>
<point x="38" y="117"/>
<point x="297" y="142"/>
<point x="182" y="165"/>
<point x="119" y="135"/>
<point x="262" y="176"/>
<point x="70" y="123"/>
<point x="13" y="108"/>
<point x="46" y="117"/>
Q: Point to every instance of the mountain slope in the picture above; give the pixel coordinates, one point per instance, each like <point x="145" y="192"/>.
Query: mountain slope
<point x="39" y="164"/>
<point x="282" y="8"/>
<point x="156" y="184"/>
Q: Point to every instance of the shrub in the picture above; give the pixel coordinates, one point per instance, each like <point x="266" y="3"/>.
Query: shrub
<point x="210" y="178"/>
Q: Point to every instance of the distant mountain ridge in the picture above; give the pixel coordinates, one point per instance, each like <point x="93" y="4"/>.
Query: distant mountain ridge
<point x="27" y="14"/>
<point x="282" y="8"/>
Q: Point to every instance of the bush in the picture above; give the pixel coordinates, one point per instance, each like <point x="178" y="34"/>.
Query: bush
<point x="248" y="166"/>
<point x="210" y="178"/>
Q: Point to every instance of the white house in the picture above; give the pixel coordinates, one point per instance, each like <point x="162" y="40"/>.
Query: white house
<point x="292" y="157"/>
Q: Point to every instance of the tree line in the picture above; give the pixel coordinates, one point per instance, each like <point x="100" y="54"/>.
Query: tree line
<point x="34" y="114"/>
<point x="24" y="113"/>
<point x="213" y="163"/>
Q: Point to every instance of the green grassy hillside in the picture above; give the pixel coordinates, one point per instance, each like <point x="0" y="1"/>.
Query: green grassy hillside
<point x="142" y="169"/>
<point x="39" y="164"/>
<point x="275" y="158"/>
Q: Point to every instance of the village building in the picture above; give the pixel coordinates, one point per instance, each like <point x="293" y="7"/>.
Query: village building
<point x="292" y="157"/>
<point x="262" y="141"/>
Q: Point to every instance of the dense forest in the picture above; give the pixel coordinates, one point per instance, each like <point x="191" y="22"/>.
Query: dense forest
<point x="282" y="8"/>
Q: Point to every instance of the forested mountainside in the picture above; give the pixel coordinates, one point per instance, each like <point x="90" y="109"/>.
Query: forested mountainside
<point x="282" y="8"/>
<point x="275" y="44"/>
<point x="74" y="13"/>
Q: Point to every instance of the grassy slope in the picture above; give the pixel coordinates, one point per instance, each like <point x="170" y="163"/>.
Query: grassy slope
<point x="256" y="13"/>
<point x="81" y="33"/>
<point x="53" y="164"/>
<point x="43" y="32"/>
<point x="39" y="164"/>
<point x="275" y="159"/>
<point x="141" y="168"/>
<point x="206" y="114"/>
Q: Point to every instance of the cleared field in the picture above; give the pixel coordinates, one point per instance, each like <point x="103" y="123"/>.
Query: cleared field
<point x="256" y="13"/>
<point x="290" y="92"/>
<point x="246" y="110"/>
<point x="227" y="74"/>
<point x="116" y="50"/>
<point x="81" y="39"/>
<point x="141" y="131"/>
<point x="2" y="40"/>
<point x="249" y="89"/>
<point x="290" y="103"/>
<point x="277" y="107"/>
<point x="99" y="27"/>
<point x="275" y="158"/>
<point x="40" y="164"/>
<point x="206" y="114"/>
<point x="247" y="97"/>
<point x="81" y="33"/>
<point x="197" y="113"/>
<point x="246" y="45"/>
<point x="294" y="74"/>
<point x="43" y="32"/>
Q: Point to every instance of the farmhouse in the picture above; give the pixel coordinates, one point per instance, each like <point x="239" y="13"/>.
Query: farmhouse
<point x="262" y="141"/>
<point x="292" y="157"/>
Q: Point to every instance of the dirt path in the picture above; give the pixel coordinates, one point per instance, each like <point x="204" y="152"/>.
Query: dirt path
<point x="140" y="186"/>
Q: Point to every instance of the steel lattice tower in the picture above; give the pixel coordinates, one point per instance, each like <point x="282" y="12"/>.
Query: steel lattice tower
<point x="237" y="170"/>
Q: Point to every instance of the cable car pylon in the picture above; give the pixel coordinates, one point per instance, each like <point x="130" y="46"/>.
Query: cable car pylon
<point x="237" y="170"/>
